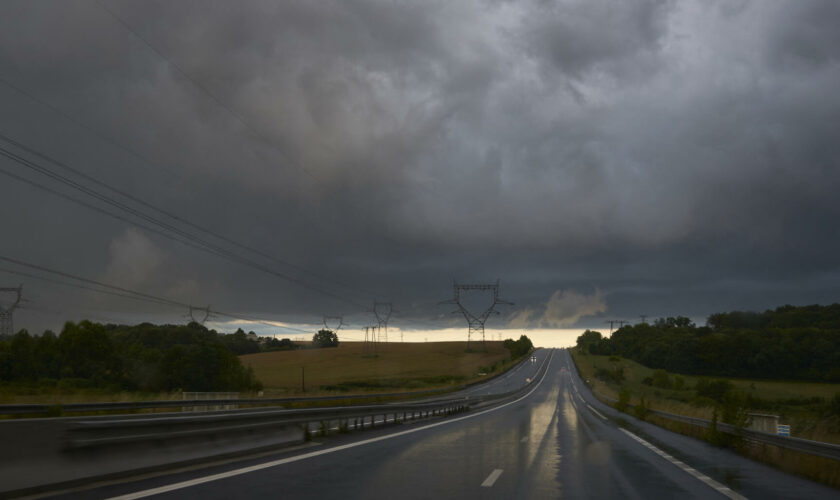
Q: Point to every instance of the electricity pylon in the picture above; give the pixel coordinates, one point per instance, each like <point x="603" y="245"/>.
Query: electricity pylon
<point x="475" y="322"/>
<point x="383" y="311"/>
<point x="7" y="326"/>
<point x="338" y="320"/>
<point x="199" y="314"/>
<point x="369" y="347"/>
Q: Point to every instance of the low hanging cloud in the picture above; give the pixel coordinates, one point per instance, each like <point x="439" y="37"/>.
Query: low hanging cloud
<point x="563" y="309"/>
<point x="135" y="260"/>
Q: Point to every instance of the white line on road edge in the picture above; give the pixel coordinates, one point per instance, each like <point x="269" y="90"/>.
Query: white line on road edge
<point x="723" y="490"/>
<point x="596" y="411"/>
<point x="491" y="479"/>
<point x="274" y="463"/>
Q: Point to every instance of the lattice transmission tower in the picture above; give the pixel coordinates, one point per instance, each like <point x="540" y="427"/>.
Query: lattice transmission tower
<point x="369" y="347"/>
<point x="199" y="314"/>
<point x="7" y="325"/>
<point x="338" y="321"/>
<point x="383" y="312"/>
<point x="476" y="322"/>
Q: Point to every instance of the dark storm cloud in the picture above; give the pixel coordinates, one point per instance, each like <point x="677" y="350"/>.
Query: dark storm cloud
<point x="612" y="37"/>
<point x="600" y="157"/>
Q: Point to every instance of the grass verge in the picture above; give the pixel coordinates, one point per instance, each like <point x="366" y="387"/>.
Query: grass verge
<point x="820" y="469"/>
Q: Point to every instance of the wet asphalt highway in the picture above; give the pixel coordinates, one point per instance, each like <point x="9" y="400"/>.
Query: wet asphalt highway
<point x="556" y="441"/>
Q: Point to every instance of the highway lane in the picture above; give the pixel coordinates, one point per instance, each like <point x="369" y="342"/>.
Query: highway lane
<point x="515" y="378"/>
<point x="553" y="442"/>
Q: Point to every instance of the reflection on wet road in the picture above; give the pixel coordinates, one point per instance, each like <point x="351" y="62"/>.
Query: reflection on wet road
<point x="556" y="442"/>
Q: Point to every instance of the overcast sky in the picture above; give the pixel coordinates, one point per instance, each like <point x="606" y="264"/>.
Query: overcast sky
<point x="603" y="159"/>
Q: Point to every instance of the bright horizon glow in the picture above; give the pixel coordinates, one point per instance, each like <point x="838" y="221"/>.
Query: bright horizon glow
<point x="541" y="337"/>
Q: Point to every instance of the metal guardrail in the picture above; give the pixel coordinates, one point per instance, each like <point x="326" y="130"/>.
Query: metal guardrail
<point x="43" y="409"/>
<point x="92" y="433"/>
<point x="100" y="432"/>
<point x="818" y="448"/>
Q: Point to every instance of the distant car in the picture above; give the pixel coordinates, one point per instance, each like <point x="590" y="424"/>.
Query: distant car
<point x="533" y="359"/>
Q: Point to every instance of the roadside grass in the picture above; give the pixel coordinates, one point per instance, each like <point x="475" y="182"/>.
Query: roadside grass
<point x="799" y="404"/>
<point x="20" y="394"/>
<point x="396" y="367"/>
<point x="341" y="371"/>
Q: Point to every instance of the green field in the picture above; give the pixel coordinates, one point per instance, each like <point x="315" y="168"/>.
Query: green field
<point x="397" y="366"/>
<point x="788" y="398"/>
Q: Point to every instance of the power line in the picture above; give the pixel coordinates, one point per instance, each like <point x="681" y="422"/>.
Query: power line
<point x="253" y="131"/>
<point x="63" y="274"/>
<point x="89" y="206"/>
<point x="172" y="215"/>
<point x="76" y="285"/>
<point x="149" y="162"/>
<point x="131" y="294"/>
<point x="200" y="243"/>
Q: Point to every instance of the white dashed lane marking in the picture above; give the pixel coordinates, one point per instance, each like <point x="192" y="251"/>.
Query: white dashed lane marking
<point x="491" y="479"/>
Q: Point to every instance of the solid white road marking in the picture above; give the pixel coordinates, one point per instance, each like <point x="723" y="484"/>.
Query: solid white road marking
<point x="596" y="412"/>
<point x="274" y="463"/>
<point x="491" y="479"/>
<point x="723" y="490"/>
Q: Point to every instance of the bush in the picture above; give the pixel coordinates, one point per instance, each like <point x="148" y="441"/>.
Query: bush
<point x="325" y="338"/>
<point x="640" y="411"/>
<point x="714" y="389"/>
<point x="623" y="399"/>
<point x="518" y="348"/>
<point x="834" y="405"/>
<point x="679" y="382"/>
<point x="616" y="375"/>
<point x="661" y="379"/>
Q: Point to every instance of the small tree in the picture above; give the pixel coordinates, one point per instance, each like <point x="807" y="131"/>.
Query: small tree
<point x="623" y="399"/>
<point x="661" y="379"/>
<point x="325" y="338"/>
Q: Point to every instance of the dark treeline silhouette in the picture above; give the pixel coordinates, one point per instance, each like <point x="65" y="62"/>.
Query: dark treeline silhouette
<point x="144" y="357"/>
<point x="240" y="342"/>
<point x="797" y="343"/>
<point x="518" y="348"/>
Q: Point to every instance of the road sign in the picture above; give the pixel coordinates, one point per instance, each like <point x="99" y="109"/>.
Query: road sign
<point x="783" y="430"/>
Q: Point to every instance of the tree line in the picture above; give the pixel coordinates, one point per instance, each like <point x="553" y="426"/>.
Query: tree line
<point x="518" y="348"/>
<point x="143" y="357"/>
<point x="796" y="343"/>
